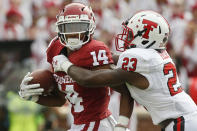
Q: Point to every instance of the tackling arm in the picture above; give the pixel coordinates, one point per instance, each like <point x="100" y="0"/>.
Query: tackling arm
<point x="101" y="77"/>
<point x="98" y="78"/>
<point x="126" y="108"/>
<point x="106" y="77"/>
<point x="127" y="102"/>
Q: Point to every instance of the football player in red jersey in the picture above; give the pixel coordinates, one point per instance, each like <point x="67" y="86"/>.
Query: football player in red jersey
<point x="148" y="71"/>
<point x="75" y="27"/>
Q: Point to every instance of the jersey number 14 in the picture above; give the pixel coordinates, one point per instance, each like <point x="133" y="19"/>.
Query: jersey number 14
<point x="101" y="56"/>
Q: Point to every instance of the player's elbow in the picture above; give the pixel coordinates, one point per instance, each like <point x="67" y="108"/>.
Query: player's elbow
<point x="60" y="103"/>
<point x="86" y="81"/>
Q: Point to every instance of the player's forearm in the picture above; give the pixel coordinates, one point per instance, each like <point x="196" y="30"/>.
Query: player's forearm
<point x="126" y="101"/>
<point x="126" y="109"/>
<point x="126" y="105"/>
<point x="98" y="78"/>
<point x="51" y="101"/>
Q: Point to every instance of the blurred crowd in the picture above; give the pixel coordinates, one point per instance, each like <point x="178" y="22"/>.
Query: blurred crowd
<point x="35" y="20"/>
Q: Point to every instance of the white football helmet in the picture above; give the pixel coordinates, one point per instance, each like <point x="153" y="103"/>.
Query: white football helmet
<point x="146" y="29"/>
<point x="78" y="20"/>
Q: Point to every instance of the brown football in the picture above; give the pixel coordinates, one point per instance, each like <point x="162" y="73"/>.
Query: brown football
<point x="45" y="79"/>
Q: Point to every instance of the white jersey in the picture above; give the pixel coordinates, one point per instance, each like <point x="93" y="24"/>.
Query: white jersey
<point x="164" y="98"/>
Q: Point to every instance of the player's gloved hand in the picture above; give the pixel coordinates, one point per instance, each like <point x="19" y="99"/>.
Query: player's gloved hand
<point x="29" y="92"/>
<point x="119" y="127"/>
<point x="61" y="63"/>
<point x="122" y="125"/>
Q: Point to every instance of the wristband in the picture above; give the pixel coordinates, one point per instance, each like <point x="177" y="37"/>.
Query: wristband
<point x="123" y="120"/>
<point x="65" y="66"/>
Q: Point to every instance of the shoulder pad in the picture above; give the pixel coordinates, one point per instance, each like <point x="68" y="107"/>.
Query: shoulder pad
<point x="53" y="49"/>
<point x="53" y="41"/>
<point x="139" y="60"/>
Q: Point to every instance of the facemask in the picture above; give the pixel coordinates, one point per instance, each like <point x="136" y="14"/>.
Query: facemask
<point x="74" y="43"/>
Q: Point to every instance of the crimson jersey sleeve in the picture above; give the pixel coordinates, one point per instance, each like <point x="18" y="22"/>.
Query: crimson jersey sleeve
<point x="94" y="53"/>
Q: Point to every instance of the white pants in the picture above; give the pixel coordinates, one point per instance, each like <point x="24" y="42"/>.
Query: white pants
<point x="184" y="123"/>
<point x="106" y="124"/>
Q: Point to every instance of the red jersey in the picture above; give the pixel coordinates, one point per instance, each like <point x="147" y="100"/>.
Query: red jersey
<point x="87" y="104"/>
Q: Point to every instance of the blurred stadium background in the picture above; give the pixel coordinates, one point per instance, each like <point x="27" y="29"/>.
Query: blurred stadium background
<point x="27" y="26"/>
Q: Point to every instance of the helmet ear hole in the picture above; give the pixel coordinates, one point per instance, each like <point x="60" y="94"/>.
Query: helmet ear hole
<point x="159" y="30"/>
<point x="165" y="39"/>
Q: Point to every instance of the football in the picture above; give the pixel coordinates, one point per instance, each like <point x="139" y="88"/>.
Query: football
<point x="45" y="79"/>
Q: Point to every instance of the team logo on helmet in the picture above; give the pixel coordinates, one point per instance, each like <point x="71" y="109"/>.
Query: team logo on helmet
<point x="149" y="27"/>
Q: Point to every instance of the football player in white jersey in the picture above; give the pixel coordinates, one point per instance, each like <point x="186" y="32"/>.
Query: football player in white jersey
<point x="147" y="70"/>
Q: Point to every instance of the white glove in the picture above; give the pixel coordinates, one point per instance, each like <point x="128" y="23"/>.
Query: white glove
<point x="61" y="63"/>
<point x="29" y="92"/>
<point x="121" y="128"/>
<point x="122" y="125"/>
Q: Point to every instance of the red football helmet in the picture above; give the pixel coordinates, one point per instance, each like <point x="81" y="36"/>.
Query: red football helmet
<point x="75" y="25"/>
